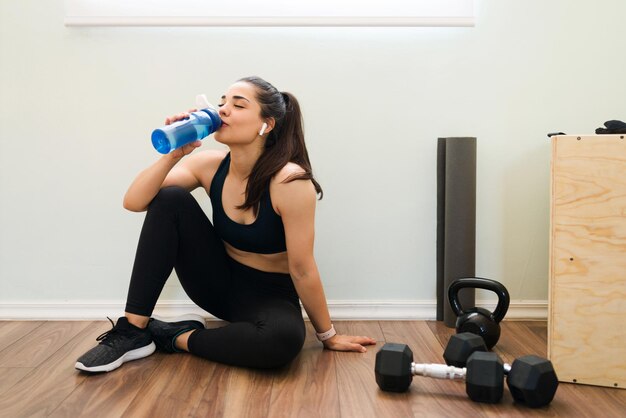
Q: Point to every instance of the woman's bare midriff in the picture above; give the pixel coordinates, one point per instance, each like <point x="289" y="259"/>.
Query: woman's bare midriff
<point x="274" y="263"/>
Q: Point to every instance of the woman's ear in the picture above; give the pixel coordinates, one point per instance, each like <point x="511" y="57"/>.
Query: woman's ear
<point x="267" y="126"/>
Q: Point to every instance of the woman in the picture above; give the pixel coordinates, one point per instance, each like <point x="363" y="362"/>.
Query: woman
<point x="251" y="266"/>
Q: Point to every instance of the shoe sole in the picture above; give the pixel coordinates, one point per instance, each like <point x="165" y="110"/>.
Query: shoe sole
<point x="135" y="354"/>
<point x="180" y="318"/>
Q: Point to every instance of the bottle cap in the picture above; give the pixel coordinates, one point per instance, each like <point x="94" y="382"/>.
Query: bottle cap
<point x="202" y="102"/>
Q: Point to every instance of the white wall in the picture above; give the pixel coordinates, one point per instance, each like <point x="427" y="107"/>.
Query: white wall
<point x="77" y="106"/>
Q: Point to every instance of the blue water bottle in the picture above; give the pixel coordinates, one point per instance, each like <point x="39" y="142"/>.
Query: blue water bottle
<point x="199" y="125"/>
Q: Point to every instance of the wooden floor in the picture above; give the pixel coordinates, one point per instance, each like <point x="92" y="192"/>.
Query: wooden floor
<point x="38" y="379"/>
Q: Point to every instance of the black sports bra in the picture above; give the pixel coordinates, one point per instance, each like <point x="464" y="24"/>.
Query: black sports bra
<point x="266" y="235"/>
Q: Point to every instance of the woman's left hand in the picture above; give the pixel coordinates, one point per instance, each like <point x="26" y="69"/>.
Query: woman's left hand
<point x="348" y="343"/>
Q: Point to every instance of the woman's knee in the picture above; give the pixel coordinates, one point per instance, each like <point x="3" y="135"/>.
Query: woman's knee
<point x="249" y="344"/>
<point x="281" y="344"/>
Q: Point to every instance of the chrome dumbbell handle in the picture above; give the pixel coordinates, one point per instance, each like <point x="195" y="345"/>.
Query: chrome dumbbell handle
<point x="443" y="371"/>
<point x="438" y="371"/>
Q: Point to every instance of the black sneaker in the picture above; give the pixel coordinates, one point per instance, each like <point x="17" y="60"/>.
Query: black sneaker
<point x="165" y="330"/>
<point x="124" y="342"/>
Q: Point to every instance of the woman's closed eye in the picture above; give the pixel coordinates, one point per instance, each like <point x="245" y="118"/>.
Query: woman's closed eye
<point x="237" y="106"/>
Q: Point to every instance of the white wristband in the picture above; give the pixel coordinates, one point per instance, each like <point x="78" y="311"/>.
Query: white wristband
<point x="323" y="336"/>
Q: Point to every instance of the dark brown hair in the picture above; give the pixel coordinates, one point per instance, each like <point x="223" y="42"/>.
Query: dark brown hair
<point x="284" y="143"/>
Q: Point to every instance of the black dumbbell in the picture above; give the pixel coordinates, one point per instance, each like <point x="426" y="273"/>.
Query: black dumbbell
<point x="461" y="346"/>
<point x="484" y="374"/>
<point x="531" y="379"/>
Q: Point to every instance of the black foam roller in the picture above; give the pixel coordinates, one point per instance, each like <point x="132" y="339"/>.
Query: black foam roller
<point x="456" y="221"/>
<point x="441" y="193"/>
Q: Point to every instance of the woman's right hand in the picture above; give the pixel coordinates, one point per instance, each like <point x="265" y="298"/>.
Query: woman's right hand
<point x="148" y="183"/>
<point x="179" y="153"/>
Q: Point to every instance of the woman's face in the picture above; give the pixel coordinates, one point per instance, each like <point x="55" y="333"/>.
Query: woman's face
<point x="241" y="115"/>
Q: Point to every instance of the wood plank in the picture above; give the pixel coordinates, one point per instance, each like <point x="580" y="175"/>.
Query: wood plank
<point x="573" y="400"/>
<point x="12" y="375"/>
<point x="39" y="393"/>
<point x="308" y="387"/>
<point x="359" y="394"/>
<point x="12" y="331"/>
<point x="236" y="392"/>
<point x="338" y="384"/>
<point x="108" y="394"/>
<point x="174" y="389"/>
<point x="441" y="331"/>
<point x="539" y="328"/>
<point x="253" y="386"/>
<point x="214" y="398"/>
<point x="41" y="343"/>
<point x="517" y="339"/>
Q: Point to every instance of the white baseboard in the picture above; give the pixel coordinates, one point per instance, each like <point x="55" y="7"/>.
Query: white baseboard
<point x="339" y="309"/>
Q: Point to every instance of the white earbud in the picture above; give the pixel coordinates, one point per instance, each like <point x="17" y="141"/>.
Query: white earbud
<point x="263" y="128"/>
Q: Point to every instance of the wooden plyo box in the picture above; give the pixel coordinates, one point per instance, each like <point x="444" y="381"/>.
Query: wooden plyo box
<point x="587" y="297"/>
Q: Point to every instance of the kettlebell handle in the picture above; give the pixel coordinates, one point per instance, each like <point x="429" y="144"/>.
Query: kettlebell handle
<point x="480" y="283"/>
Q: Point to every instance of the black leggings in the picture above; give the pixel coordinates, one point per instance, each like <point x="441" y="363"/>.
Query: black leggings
<point x="266" y="328"/>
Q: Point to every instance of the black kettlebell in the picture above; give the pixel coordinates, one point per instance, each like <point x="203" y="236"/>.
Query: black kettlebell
<point x="479" y="320"/>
